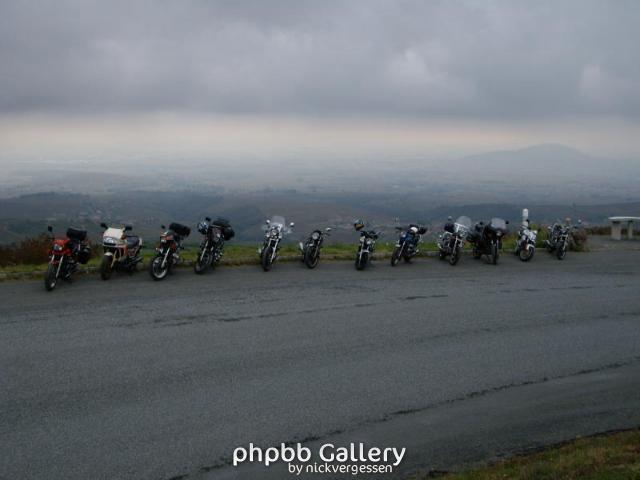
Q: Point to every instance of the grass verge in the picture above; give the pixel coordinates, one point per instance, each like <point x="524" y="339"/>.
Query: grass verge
<point x="610" y="456"/>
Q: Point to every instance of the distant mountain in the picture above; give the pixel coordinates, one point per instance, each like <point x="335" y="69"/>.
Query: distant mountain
<point x="546" y="160"/>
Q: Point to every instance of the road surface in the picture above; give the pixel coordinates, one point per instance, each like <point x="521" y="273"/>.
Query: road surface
<point x="135" y="379"/>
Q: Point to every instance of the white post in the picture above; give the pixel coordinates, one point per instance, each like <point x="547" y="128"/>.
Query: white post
<point x="616" y="230"/>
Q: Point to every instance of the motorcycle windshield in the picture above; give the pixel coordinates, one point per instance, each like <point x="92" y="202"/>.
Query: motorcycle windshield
<point x="498" y="224"/>
<point x="463" y="223"/>
<point x="277" y="221"/>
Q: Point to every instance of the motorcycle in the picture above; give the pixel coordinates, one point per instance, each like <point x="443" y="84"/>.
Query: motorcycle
<point x="121" y="250"/>
<point x="366" y="245"/>
<point x="168" y="250"/>
<point x="310" y="249"/>
<point x="526" y="241"/>
<point x="559" y="238"/>
<point x="275" y="230"/>
<point x="215" y="235"/>
<point x="452" y="240"/>
<point x="487" y="239"/>
<point x="65" y="254"/>
<point x="407" y="244"/>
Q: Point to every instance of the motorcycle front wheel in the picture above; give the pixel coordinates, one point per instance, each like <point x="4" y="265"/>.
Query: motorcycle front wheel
<point x="50" y="277"/>
<point x="361" y="261"/>
<point x="562" y="251"/>
<point x="106" y="267"/>
<point x="526" y="254"/>
<point x="311" y="257"/>
<point x="202" y="262"/>
<point x="494" y="254"/>
<point x="266" y="258"/>
<point x="455" y="256"/>
<point x="395" y="256"/>
<point x="156" y="270"/>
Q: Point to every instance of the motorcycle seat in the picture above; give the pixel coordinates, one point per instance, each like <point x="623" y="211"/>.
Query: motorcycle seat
<point x="132" y="241"/>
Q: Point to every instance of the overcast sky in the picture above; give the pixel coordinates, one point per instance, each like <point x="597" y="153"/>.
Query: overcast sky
<point x="511" y="72"/>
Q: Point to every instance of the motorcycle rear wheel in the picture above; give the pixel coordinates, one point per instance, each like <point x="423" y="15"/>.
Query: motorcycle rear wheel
<point x="106" y="267"/>
<point x="561" y="252"/>
<point x="50" y="277"/>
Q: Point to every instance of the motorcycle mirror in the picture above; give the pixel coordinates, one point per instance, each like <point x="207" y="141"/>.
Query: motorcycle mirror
<point x="579" y="222"/>
<point x="104" y="225"/>
<point x="328" y="229"/>
<point x="49" y="228"/>
<point x="163" y="227"/>
<point x="506" y="222"/>
<point x="208" y="219"/>
<point x="268" y="222"/>
<point x="292" y="224"/>
<point x="127" y="228"/>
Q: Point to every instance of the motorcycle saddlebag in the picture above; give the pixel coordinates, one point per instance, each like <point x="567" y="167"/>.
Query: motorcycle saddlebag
<point x="228" y="233"/>
<point x="225" y="226"/>
<point x="84" y="253"/>
<point x="76" y="234"/>
<point x="180" y="229"/>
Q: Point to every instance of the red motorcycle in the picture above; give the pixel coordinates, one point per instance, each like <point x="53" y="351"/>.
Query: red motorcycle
<point x="65" y="254"/>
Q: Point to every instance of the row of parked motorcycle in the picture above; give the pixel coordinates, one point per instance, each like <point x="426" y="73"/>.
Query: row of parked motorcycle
<point x="122" y="249"/>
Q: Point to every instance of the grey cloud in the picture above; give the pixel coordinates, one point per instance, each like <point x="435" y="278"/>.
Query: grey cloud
<point x="367" y="57"/>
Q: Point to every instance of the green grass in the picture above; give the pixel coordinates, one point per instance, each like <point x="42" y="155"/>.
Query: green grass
<point x="604" y="457"/>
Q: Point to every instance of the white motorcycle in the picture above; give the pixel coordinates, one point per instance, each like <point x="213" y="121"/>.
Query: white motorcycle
<point x="275" y="229"/>
<point x="121" y="250"/>
<point x="526" y="241"/>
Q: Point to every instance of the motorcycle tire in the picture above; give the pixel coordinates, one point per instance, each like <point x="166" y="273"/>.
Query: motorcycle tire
<point x="395" y="256"/>
<point x="455" y="256"/>
<point x="311" y="257"/>
<point x="266" y="259"/>
<point x="202" y="262"/>
<point x="561" y="252"/>
<point x="50" y="277"/>
<point x="494" y="254"/>
<point x="106" y="268"/>
<point x="526" y="254"/>
<point x="361" y="261"/>
<point x="155" y="269"/>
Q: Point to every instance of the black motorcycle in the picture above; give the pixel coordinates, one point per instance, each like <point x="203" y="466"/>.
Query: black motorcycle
<point x="215" y="233"/>
<point x="275" y="230"/>
<point x="407" y="244"/>
<point x="310" y="249"/>
<point x="168" y="250"/>
<point x="366" y="245"/>
<point x="486" y="239"/>
<point x="452" y="240"/>
<point x="559" y="239"/>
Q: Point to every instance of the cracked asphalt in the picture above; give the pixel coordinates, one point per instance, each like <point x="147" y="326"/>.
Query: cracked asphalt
<point x="135" y="379"/>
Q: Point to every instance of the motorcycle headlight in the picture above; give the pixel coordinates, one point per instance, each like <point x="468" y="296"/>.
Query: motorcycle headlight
<point x="274" y="233"/>
<point x="109" y="240"/>
<point x="57" y="248"/>
<point x="361" y="239"/>
<point x="315" y="236"/>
